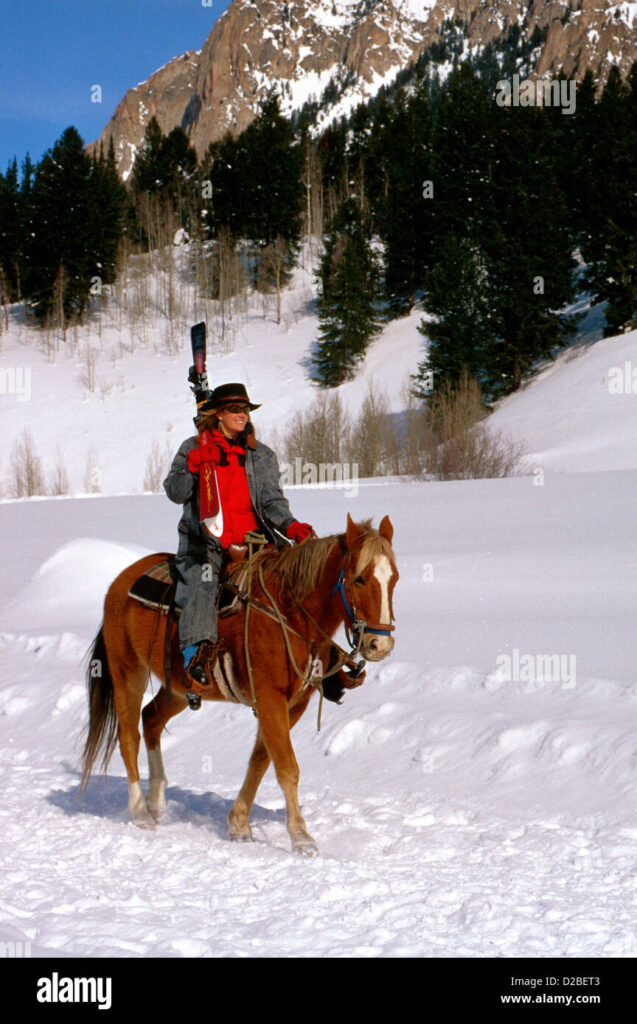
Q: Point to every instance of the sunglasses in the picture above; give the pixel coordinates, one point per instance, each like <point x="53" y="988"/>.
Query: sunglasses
<point x="244" y="410"/>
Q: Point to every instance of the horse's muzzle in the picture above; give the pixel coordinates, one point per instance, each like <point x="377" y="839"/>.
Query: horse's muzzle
<point x="376" y="647"/>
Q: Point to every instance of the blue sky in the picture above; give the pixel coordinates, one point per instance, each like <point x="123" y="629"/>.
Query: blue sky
<point x="53" y="51"/>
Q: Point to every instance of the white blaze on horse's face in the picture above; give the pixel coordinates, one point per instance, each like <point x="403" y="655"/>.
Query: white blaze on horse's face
<point x="383" y="573"/>
<point x="375" y="646"/>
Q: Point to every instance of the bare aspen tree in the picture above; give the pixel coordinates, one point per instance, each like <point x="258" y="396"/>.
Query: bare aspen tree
<point x="5" y="299"/>
<point x="90" y="362"/>
<point x="273" y="264"/>
<point x="461" y="447"/>
<point x="320" y="433"/>
<point x="415" y="431"/>
<point x="57" y="317"/>
<point x="60" y="479"/>
<point x="26" y="467"/>
<point x="157" y="466"/>
<point x="194" y="254"/>
<point x="374" y="447"/>
<point x="229" y="277"/>
<point x="313" y="184"/>
<point x="120" y="287"/>
<point x="92" y="475"/>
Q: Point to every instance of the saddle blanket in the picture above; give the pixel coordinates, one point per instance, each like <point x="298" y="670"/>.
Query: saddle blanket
<point x="156" y="587"/>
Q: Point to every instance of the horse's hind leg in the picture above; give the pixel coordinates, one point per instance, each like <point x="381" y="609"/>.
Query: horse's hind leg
<point x="155" y="716"/>
<point x="129" y="684"/>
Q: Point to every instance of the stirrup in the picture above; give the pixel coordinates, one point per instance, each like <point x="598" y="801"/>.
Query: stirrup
<point x="198" y="672"/>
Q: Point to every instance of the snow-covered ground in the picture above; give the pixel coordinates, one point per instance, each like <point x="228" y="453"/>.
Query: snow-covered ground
<point x="475" y="798"/>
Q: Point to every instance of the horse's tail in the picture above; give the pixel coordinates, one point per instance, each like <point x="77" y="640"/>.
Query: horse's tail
<point x="102" y="723"/>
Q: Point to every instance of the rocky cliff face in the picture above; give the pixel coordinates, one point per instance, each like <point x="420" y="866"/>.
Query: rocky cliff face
<point x="355" y="46"/>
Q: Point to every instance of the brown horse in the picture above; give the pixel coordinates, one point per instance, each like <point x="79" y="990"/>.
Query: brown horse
<point x="315" y="587"/>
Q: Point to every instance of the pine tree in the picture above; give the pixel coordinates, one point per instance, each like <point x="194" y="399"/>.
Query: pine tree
<point x="11" y="231"/>
<point x="149" y="169"/>
<point x="75" y="224"/>
<point x="500" y="285"/>
<point x="526" y="237"/>
<point x="220" y="175"/>
<point x="107" y="214"/>
<point x="577" y="144"/>
<point x="407" y="208"/>
<point x="611" y="246"/>
<point x="164" y="182"/>
<point x="462" y="335"/>
<point x="463" y="147"/>
<point x="349" y="280"/>
<point x="178" y="170"/>
<point x="271" y="162"/>
<point x="257" y="191"/>
<point x="60" y="231"/>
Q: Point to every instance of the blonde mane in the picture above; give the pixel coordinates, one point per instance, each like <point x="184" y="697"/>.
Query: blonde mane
<point x="300" y="568"/>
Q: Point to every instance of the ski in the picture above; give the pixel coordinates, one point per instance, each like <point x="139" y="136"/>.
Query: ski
<point x="210" y="512"/>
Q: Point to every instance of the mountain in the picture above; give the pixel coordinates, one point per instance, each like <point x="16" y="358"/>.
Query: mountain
<point x="351" y="48"/>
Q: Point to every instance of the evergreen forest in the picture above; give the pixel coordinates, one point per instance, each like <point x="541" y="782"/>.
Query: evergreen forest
<point x="492" y="218"/>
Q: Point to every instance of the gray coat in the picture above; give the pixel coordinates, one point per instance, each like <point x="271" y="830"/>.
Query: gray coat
<point x="196" y="591"/>
<point x="269" y="503"/>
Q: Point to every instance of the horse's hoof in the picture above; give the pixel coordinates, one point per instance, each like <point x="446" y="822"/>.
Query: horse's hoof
<point x="244" y="836"/>
<point x="306" y="847"/>
<point x="145" y="821"/>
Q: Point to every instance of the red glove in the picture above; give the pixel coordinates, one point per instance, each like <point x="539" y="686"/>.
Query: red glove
<point x="299" y="531"/>
<point x="204" y="453"/>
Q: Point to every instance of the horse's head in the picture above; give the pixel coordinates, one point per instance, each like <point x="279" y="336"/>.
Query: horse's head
<point x="368" y="580"/>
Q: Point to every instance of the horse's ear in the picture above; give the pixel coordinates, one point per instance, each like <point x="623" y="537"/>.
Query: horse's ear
<point x="386" y="529"/>
<point x="352" y="533"/>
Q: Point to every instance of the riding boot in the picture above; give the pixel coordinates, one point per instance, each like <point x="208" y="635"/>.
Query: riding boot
<point x="198" y="673"/>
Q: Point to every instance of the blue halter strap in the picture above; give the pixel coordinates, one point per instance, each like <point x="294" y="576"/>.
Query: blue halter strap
<point x="340" y="588"/>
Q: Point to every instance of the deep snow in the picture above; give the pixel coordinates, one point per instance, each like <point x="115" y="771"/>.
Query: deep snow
<point x="473" y="799"/>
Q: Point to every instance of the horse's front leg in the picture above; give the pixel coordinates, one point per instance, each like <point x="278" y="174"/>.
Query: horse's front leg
<point x="239" y="816"/>
<point x="273" y="743"/>
<point x="275" y="728"/>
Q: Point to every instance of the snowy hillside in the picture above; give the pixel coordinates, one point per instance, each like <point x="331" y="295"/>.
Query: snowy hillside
<point x="123" y="381"/>
<point x="475" y="798"/>
<point x="580" y="414"/>
<point x="140" y="394"/>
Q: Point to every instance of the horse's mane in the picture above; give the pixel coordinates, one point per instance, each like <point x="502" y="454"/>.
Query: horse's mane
<point x="300" y="568"/>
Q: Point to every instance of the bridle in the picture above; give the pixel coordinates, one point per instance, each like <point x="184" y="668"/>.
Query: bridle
<point x="355" y="630"/>
<point x="355" y="627"/>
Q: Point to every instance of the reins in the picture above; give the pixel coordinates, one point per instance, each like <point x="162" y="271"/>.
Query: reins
<point x="313" y="675"/>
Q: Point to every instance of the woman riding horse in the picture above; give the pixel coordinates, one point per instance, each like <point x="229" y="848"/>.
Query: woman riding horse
<point x="250" y="496"/>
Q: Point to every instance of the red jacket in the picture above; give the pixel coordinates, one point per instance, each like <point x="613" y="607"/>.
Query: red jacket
<point x="234" y="492"/>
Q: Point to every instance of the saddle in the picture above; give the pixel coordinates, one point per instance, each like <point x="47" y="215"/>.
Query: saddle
<point x="156" y="587"/>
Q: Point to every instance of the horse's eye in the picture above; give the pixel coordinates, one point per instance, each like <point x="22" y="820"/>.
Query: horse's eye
<point x="360" y="581"/>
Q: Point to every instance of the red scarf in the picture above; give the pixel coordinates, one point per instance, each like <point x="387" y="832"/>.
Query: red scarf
<point x="234" y="492"/>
